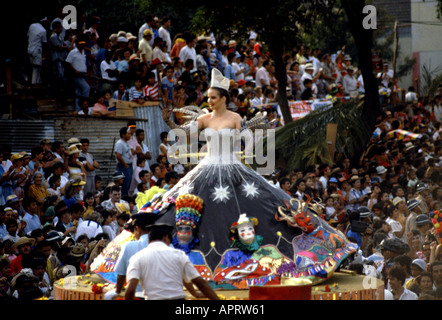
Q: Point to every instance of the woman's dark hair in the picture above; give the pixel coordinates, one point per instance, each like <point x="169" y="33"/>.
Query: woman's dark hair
<point x="223" y="93"/>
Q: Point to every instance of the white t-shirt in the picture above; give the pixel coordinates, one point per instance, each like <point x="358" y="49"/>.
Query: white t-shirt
<point x="262" y="77"/>
<point x="88" y="227"/>
<point x="165" y="35"/>
<point x="77" y="59"/>
<point x="410" y="96"/>
<point x="161" y="271"/>
<point x="350" y="84"/>
<point x="105" y="66"/>
<point x="188" y="53"/>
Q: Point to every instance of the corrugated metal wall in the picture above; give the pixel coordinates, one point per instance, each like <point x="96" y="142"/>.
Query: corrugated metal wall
<point x="152" y="127"/>
<point x="23" y="135"/>
<point x="103" y="133"/>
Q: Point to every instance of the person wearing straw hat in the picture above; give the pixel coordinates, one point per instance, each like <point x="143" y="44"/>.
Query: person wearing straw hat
<point x="23" y="247"/>
<point x="75" y="167"/>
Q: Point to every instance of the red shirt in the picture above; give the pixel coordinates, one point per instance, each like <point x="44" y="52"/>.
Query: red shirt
<point x="16" y="265"/>
<point x="151" y="92"/>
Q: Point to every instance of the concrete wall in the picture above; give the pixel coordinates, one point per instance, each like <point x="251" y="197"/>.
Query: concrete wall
<point x="426" y="36"/>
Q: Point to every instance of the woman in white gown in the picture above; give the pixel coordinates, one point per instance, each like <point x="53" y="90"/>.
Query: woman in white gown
<point x="228" y="187"/>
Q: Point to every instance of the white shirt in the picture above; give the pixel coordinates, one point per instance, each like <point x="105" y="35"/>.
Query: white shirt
<point x="256" y="101"/>
<point x="36" y="38"/>
<point x="304" y="76"/>
<point x="188" y="53"/>
<point x="387" y="79"/>
<point x="408" y="295"/>
<point x="262" y="77"/>
<point x="141" y="31"/>
<point x="323" y="181"/>
<point x="77" y="59"/>
<point x="106" y="66"/>
<point x="161" y="271"/>
<point x="88" y="227"/>
<point x="237" y="68"/>
<point x="165" y="35"/>
<point x="410" y="96"/>
<point x="349" y="83"/>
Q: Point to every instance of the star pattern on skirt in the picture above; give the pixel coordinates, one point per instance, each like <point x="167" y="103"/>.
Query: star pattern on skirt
<point x="185" y="189"/>
<point x="221" y="194"/>
<point x="250" y="190"/>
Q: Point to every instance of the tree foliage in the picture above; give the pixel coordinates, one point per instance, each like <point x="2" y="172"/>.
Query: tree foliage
<point x="303" y="142"/>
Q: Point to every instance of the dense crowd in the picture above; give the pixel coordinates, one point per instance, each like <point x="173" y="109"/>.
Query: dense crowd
<point x="54" y="211"/>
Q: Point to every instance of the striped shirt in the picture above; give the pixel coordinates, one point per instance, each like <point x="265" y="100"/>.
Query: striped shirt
<point x="151" y="92"/>
<point x="134" y="94"/>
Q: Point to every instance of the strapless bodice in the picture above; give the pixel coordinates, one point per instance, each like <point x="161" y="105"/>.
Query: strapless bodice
<point x="223" y="146"/>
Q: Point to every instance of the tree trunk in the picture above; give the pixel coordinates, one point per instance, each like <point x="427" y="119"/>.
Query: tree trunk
<point x="276" y="47"/>
<point x="364" y="43"/>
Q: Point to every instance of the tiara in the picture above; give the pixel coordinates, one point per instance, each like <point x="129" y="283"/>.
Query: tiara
<point x="219" y="81"/>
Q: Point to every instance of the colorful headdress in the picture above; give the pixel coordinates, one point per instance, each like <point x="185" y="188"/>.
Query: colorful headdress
<point x="188" y="210"/>
<point x="436" y="219"/>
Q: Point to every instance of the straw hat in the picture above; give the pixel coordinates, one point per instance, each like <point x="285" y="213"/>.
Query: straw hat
<point x="22" y="241"/>
<point x="73" y="149"/>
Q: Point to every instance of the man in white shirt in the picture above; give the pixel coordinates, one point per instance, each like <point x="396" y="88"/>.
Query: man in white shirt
<point x="411" y="95"/>
<point x="108" y="68"/>
<point x="262" y="77"/>
<point x="76" y="62"/>
<point x="165" y="34"/>
<point x="189" y="52"/>
<point x="385" y="76"/>
<point x="37" y="40"/>
<point x="308" y="74"/>
<point x="349" y="82"/>
<point x="162" y="270"/>
<point x="396" y="279"/>
<point x="315" y="61"/>
<point x="149" y="25"/>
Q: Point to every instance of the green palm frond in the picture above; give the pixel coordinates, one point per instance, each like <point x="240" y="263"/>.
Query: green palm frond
<point x="303" y="142"/>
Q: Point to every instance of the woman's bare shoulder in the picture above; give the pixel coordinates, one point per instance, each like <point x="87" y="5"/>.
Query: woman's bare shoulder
<point x="235" y="115"/>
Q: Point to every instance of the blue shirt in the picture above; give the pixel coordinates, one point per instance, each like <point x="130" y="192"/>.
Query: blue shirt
<point x="229" y="72"/>
<point x="32" y="223"/>
<point x="166" y="84"/>
<point x="355" y="235"/>
<point x="128" y="250"/>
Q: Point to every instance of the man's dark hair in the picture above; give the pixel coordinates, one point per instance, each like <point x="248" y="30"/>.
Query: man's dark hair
<point x="36" y="150"/>
<point x="398" y="273"/>
<point x="142" y="173"/>
<point x="123" y="131"/>
<point x="138" y="132"/>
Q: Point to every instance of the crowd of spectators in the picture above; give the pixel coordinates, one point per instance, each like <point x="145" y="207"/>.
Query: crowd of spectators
<point x="55" y="212"/>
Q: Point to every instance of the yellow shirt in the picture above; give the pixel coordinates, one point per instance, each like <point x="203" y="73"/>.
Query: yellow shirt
<point x="145" y="49"/>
